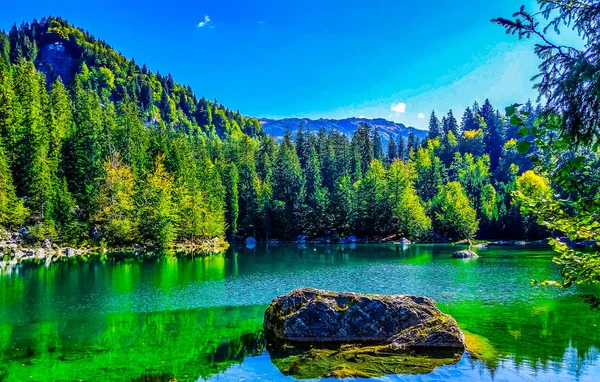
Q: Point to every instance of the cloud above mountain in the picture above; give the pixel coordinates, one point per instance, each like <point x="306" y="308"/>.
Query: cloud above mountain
<point x="399" y="107"/>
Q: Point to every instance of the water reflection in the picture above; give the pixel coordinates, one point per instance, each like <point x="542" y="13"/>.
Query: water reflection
<point x="154" y="318"/>
<point x="355" y="361"/>
<point x="178" y="344"/>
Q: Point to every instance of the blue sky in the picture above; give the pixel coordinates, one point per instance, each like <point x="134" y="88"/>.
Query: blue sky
<point x="329" y="59"/>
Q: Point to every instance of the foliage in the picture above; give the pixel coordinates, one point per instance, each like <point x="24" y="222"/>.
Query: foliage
<point x="79" y="143"/>
<point x="454" y="216"/>
<point x="115" y="201"/>
<point x="564" y="143"/>
<point x="568" y="77"/>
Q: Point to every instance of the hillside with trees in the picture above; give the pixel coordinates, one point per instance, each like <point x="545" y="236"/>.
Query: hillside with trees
<point x="96" y="149"/>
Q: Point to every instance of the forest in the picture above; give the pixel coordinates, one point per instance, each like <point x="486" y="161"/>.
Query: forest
<point x="101" y="150"/>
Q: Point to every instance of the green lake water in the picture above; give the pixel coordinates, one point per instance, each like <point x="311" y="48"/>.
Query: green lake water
<point x="201" y="318"/>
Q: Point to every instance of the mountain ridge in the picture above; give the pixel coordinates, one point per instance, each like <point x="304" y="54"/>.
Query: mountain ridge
<point x="277" y="126"/>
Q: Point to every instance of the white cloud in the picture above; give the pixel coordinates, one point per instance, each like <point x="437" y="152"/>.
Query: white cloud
<point x="399" y="107"/>
<point x="203" y="23"/>
<point x="421" y="116"/>
<point x="361" y="116"/>
<point x="261" y="22"/>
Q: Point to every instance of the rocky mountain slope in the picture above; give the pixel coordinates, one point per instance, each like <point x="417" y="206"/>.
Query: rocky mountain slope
<point x="276" y="127"/>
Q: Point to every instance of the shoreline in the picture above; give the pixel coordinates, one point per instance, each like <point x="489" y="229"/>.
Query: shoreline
<point x="14" y="250"/>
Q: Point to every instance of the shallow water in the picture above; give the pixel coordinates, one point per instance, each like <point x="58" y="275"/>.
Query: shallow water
<point x="200" y="318"/>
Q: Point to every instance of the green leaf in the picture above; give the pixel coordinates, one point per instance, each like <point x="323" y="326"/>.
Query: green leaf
<point x="578" y="162"/>
<point x="510" y="110"/>
<point x="523" y="147"/>
<point x="515" y="120"/>
<point x="523" y="131"/>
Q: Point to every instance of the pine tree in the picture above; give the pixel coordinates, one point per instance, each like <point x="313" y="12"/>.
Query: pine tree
<point x="326" y="156"/>
<point x="450" y="124"/>
<point x="392" y="149"/>
<point x="288" y="187"/>
<point x="265" y="157"/>
<point x="435" y="127"/>
<point x="316" y="196"/>
<point x="402" y="151"/>
<point x="494" y="137"/>
<point x="377" y="145"/>
<point x="231" y="178"/>
<point x="248" y="176"/>
<point x="132" y="139"/>
<point x="412" y="143"/>
<point x="12" y="210"/>
<point x="341" y="205"/>
<point x="363" y="146"/>
<point x="86" y="147"/>
<point x="302" y="144"/>
<point x="469" y="121"/>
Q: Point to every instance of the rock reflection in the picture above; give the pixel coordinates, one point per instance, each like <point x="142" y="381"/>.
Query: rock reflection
<point x="356" y="361"/>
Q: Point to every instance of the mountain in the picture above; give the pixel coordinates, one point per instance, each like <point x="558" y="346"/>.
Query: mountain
<point x="61" y="50"/>
<point x="348" y="126"/>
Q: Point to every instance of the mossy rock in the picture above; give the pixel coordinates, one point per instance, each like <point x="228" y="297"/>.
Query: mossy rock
<point x="401" y="321"/>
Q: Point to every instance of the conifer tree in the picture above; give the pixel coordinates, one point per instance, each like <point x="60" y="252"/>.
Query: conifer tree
<point x="412" y="143"/>
<point x="377" y="145"/>
<point x="450" y="124"/>
<point x="469" y="121"/>
<point x="402" y="151"/>
<point x="494" y="133"/>
<point x="12" y="209"/>
<point x="435" y="127"/>
<point x="288" y="188"/>
<point x="392" y="149"/>
<point x="363" y="146"/>
<point x="316" y="195"/>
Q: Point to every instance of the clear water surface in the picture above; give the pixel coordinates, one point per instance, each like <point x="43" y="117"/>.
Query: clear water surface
<point x="201" y="318"/>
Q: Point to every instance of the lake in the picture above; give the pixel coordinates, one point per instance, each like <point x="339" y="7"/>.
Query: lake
<point x="201" y="318"/>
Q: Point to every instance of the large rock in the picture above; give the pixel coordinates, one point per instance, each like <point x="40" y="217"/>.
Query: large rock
<point x="402" y="321"/>
<point x="465" y="254"/>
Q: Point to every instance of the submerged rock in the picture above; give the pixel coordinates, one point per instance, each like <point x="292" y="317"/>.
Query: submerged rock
<point x="465" y="254"/>
<point x="399" y="321"/>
